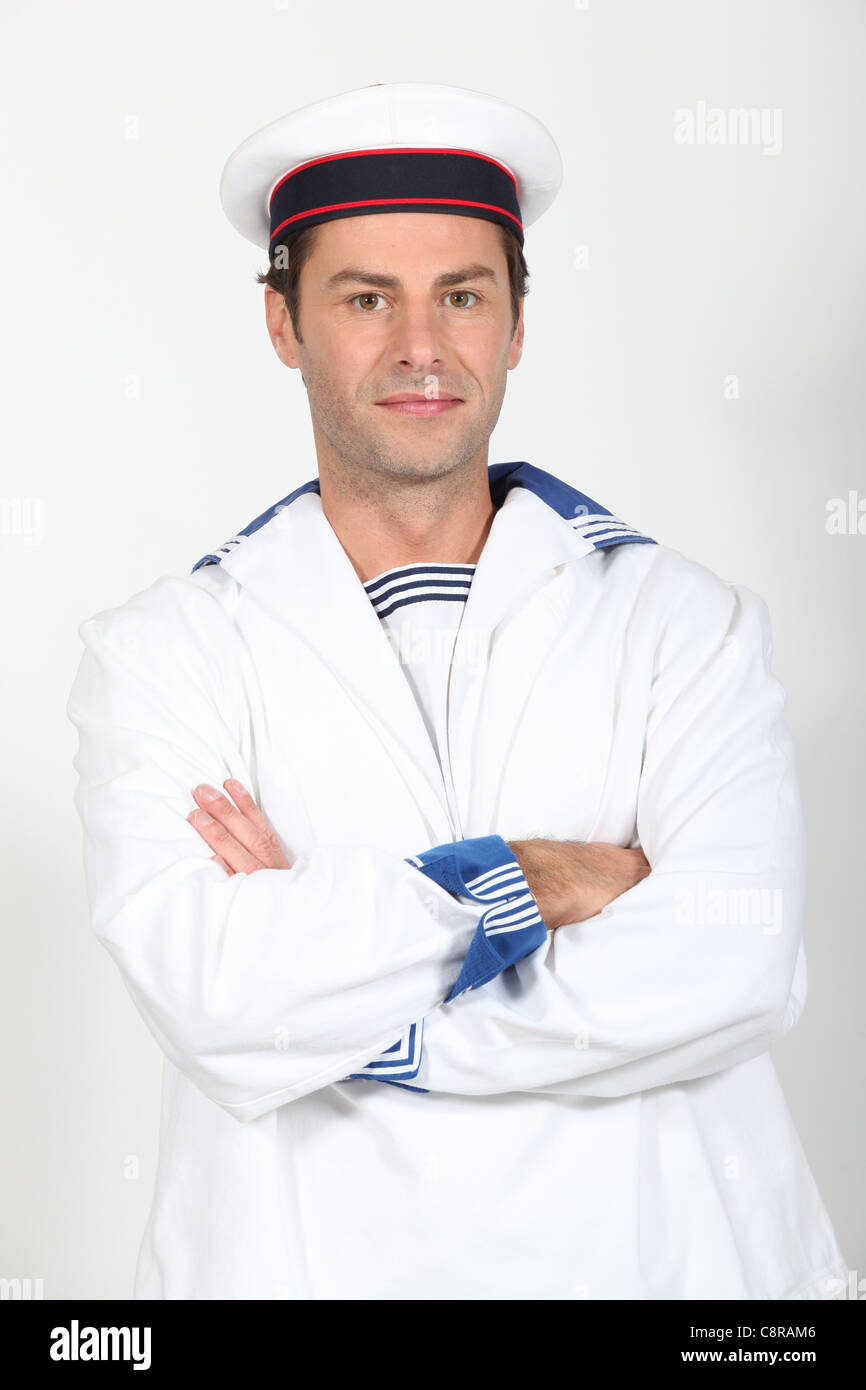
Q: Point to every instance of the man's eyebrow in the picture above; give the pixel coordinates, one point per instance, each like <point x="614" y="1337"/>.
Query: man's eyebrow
<point x="357" y="275"/>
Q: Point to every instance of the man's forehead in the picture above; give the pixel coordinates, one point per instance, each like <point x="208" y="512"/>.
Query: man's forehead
<point x="413" y="247"/>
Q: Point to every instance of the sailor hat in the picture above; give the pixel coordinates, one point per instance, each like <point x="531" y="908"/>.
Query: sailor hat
<point x="392" y="147"/>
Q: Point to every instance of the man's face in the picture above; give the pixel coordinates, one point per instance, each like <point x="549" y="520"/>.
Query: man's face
<point x="397" y="303"/>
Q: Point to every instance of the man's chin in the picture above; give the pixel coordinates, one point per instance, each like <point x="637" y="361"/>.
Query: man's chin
<point x="412" y="467"/>
<point x="424" y="460"/>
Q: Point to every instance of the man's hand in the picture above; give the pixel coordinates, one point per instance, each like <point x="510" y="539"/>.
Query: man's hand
<point x="571" y="881"/>
<point x="243" y="839"/>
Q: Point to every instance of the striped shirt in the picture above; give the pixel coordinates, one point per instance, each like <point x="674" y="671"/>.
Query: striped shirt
<point x="421" y="607"/>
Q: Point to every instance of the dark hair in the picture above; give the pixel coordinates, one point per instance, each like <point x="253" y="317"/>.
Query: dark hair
<point x="297" y="248"/>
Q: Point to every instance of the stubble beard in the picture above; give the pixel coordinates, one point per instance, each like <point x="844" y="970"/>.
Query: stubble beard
<point x="369" y="459"/>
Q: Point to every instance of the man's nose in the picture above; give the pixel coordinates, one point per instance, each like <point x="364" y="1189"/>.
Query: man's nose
<point x="417" y="337"/>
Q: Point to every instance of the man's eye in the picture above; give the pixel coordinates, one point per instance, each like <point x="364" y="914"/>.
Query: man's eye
<point x="463" y="294"/>
<point x="367" y="294"/>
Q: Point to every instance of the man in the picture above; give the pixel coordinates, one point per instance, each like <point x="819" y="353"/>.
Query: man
<point x="446" y="828"/>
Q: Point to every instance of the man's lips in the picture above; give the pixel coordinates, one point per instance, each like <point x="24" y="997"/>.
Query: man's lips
<point x="413" y="403"/>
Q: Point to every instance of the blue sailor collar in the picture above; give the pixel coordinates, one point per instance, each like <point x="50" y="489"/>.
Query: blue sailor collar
<point x="592" y="523"/>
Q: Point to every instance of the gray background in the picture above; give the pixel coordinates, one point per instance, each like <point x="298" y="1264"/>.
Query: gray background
<point x="147" y="419"/>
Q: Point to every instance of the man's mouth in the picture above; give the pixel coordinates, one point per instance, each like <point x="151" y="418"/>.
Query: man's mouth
<point x="414" y="403"/>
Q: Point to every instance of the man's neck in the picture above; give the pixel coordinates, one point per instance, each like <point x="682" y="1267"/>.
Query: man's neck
<point x="444" y="520"/>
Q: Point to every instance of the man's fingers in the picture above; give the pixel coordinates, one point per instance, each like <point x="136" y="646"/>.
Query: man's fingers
<point x="218" y="859"/>
<point x="230" y="850"/>
<point x="267" y="837"/>
<point x="254" y="835"/>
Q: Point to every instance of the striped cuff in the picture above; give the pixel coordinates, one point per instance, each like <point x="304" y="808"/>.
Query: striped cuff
<point x="402" y="1058"/>
<point x="482" y="870"/>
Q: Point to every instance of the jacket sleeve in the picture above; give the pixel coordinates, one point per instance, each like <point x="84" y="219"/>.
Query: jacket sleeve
<point x="701" y="965"/>
<point x="260" y="987"/>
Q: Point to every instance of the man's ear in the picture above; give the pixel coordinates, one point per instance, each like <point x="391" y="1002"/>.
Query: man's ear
<point x="515" y="352"/>
<point x="280" y="330"/>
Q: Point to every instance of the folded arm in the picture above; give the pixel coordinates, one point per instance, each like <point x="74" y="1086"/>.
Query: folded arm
<point x="259" y="986"/>
<point x="700" y="965"/>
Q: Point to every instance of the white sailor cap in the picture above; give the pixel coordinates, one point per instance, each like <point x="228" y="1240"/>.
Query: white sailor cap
<point x="392" y="147"/>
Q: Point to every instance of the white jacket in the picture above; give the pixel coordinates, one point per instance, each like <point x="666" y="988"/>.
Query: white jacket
<point x="599" y="1116"/>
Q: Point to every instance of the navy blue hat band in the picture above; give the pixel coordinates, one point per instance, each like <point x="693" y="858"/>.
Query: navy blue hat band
<point x="352" y="183"/>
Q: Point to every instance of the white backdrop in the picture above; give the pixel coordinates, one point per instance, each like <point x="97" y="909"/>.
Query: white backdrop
<point x="693" y="361"/>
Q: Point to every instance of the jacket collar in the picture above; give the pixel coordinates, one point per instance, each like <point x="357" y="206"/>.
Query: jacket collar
<point x="588" y="525"/>
<point x="291" y="552"/>
<point x="290" y="561"/>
